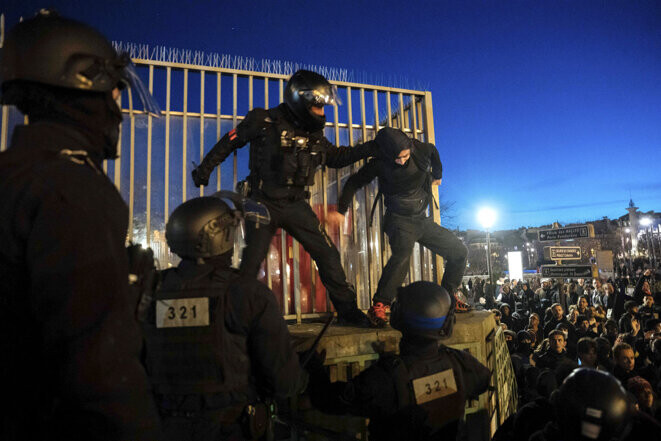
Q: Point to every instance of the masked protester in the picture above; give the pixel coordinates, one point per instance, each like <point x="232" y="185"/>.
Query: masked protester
<point x="71" y="366"/>
<point x="216" y="342"/>
<point x="287" y="146"/>
<point x="420" y="394"/>
<point x="406" y="170"/>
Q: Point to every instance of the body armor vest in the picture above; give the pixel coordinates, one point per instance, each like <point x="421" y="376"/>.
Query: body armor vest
<point x="430" y="393"/>
<point x="189" y="348"/>
<point x="286" y="156"/>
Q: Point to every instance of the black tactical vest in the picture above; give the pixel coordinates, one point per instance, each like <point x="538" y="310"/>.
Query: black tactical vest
<point x="189" y="349"/>
<point x="285" y="156"/>
<point x="430" y="394"/>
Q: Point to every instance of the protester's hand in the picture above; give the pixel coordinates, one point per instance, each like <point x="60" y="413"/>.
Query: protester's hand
<point x="647" y="273"/>
<point x="648" y="335"/>
<point x="335" y="218"/>
<point x="199" y="177"/>
<point x="635" y="326"/>
<point x="436" y="182"/>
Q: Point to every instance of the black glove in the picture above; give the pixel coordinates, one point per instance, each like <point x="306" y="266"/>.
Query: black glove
<point x="199" y="177"/>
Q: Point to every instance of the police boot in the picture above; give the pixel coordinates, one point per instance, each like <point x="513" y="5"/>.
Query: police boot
<point x="349" y="315"/>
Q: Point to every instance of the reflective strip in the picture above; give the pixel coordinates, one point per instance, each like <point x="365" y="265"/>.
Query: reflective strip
<point x="415" y="321"/>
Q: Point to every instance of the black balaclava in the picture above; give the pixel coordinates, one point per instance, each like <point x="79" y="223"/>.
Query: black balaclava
<point x="94" y="114"/>
<point x="391" y="142"/>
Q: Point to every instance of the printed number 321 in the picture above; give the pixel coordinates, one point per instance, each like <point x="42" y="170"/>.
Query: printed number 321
<point x="183" y="313"/>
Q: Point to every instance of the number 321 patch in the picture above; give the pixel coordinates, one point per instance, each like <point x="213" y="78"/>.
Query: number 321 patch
<point x="434" y="386"/>
<point x="179" y="313"/>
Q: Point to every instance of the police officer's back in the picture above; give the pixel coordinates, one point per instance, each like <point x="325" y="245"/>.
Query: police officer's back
<point x="420" y="394"/>
<point x="70" y="345"/>
<point x="215" y="341"/>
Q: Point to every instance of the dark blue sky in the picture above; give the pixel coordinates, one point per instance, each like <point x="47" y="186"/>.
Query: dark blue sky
<point x="545" y="110"/>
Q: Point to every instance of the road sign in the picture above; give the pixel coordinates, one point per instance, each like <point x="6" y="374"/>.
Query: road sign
<point x="566" y="271"/>
<point x="562" y="253"/>
<point x="566" y="233"/>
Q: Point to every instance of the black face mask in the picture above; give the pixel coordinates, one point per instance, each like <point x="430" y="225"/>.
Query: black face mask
<point x="524" y="349"/>
<point x="510" y="346"/>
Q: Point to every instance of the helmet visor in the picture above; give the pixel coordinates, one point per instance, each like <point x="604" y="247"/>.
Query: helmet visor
<point x="321" y="97"/>
<point x="132" y="80"/>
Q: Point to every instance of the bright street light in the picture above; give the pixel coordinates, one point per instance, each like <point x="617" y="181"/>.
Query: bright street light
<point x="486" y="217"/>
<point x="646" y="222"/>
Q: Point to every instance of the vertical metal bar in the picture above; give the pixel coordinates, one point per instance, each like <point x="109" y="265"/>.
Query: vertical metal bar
<point x="414" y="118"/>
<point x="149" y="131"/>
<point x="201" y="123"/>
<point x="267" y="265"/>
<point x="283" y="239"/>
<point x="429" y="125"/>
<point x="184" y="150"/>
<point x="5" y="128"/>
<point x="371" y="286"/>
<point x="249" y="92"/>
<point x="389" y="107"/>
<point x="401" y="111"/>
<point x="218" y="124"/>
<point x="266" y="92"/>
<point x="234" y="110"/>
<point x="117" y="169"/>
<point x="379" y="233"/>
<point x="357" y="275"/>
<point x="166" y="182"/>
<point x="131" y="167"/>
<point x="297" y="279"/>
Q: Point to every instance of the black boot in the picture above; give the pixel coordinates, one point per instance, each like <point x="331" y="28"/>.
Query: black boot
<point x="350" y="315"/>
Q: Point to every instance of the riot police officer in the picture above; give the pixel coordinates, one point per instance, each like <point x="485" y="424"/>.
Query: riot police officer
<point x="71" y="366"/>
<point x="215" y="341"/>
<point x="406" y="169"/>
<point x="420" y="394"/>
<point x="287" y="145"/>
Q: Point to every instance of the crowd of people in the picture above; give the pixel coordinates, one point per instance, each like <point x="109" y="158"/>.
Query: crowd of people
<point x="553" y="327"/>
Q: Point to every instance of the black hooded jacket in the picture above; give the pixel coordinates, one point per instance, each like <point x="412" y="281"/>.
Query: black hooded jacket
<point x="407" y="188"/>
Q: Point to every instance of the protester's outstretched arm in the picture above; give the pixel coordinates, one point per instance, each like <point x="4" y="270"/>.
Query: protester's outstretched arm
<point x="355" y="182"/>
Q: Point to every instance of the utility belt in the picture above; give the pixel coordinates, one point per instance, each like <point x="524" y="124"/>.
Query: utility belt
<point x="253" y="418"/>
<point x="253" y="187"/>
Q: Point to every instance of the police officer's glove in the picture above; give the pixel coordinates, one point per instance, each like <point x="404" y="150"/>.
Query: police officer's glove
<point x="200" y="177"/>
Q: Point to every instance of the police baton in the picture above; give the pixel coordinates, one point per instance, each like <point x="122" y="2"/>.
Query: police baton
<point x="313" y="348"/>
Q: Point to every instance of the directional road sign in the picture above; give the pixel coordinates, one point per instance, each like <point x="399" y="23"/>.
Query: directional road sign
<point x="562" y="253"/>
<point x="566" y="233"/>
<point x="567" y="271"/>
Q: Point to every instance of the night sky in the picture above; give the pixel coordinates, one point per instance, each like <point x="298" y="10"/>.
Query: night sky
<point x="545" y="110"/>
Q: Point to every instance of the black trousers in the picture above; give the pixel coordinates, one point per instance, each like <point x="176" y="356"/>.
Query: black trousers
<point x="403" y="232"/>
<point x="298" y="219"/>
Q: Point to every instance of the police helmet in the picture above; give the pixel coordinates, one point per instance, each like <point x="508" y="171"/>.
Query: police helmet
<point x="55" y="51"/>
<point x="423" y="309"/>
<point x="201" y="227"/>
<point x="591" y="405"/>
<point x="306" y="89"/>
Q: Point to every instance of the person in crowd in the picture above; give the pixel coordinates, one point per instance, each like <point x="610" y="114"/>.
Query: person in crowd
<point x="572" y="315"/>
<point x="648" y="310"/>
<point x="397" y="393"/>
<point x="631" y="308"/>
<point x="556" y="352"/>
<point x="642" y="390"/>
<point x="580" y="287"/>
<point x="216" y="343"/>
<point x="528" y="296"/>
<point x="583" y="304"/>
<point x="287" y="145"/>
<point x="506" y="316"/>
<point x="573" y="294"/>
<point x="510" y="340"/>
<point x="605" y="354"/>
<point x="625" y="362"/>
<point x="587" y="353"/>
<point x="71" y="346"/>
<point x="496" y="316"/>
<point x="642" y="287"/>
<point x="583" y="328"/>
<point x="610" y="331"/>
<point x="596" y="295"/>
<point x="535" y="328"/>
<point x="556" y="318"/>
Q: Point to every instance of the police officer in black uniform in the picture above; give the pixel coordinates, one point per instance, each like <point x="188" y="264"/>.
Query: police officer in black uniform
<point x="287" y="145"/>
<point x="419" y="394"/>
<point x="215" y="341"/>
<point x="70" y="345"/>
<point x="406" y="169"/>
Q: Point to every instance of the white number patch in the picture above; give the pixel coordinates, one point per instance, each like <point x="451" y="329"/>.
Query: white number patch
<point x="178" y="313"/>
<point x="434" y="386"/>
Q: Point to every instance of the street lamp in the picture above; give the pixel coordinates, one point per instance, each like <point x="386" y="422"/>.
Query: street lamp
<point x="487" y="217"/>
<point x="646" y="222"/>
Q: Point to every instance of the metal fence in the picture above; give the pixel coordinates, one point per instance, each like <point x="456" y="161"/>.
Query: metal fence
<point x="199" y="104"/>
